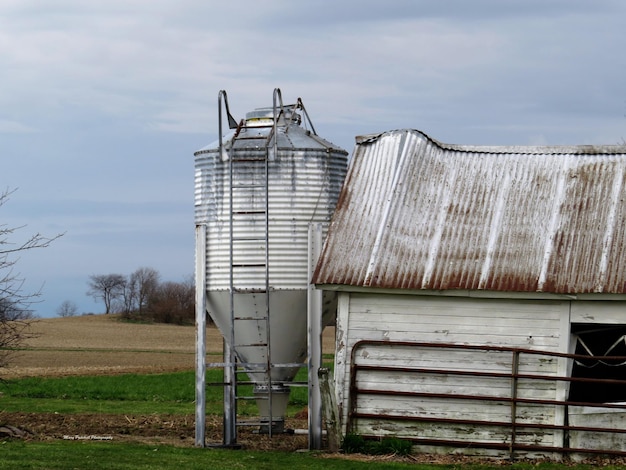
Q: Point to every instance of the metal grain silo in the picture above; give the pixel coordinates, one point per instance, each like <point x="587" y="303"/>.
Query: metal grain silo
<point x="257" y="190"/>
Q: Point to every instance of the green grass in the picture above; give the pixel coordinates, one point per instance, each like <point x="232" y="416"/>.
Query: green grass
<point x="129" y="387"/>
<point x="64" y="455"/>
<point x="130" y="393"/>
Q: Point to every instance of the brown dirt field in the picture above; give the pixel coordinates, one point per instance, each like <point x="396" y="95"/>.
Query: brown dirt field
<point x="178" y="430"/>
<point x="102" y="344"/>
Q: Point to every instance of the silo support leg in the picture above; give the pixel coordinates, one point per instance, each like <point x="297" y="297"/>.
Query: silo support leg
<point x="314" y="362"/>
<point x="201" y="314"/>
<point x="230" y="405"/>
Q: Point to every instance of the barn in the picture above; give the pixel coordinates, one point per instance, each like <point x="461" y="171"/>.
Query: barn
<point x="481" y="296"/>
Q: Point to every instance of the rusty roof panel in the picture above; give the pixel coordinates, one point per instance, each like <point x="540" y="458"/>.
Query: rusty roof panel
<point x="418" y="214"/>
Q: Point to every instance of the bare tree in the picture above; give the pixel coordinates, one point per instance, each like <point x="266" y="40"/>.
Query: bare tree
<point x="173" y="302"/>
<point x="107" y="287"/>
<point x="144" y="281"/>
<point x="15" y="305"/>
<point x="128" y="301"/>
<point x="67" y="309"/>
<point x="137" y="289"/>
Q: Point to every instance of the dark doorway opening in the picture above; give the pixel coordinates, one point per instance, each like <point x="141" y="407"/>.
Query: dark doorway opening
<point x="596" y="342"/>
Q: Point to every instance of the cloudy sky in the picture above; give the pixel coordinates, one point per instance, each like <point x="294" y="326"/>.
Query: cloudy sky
<point x="103" y="103"/>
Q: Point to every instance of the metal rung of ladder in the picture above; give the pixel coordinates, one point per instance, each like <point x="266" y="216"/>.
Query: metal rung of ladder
<point x="252" y="371"/>
<point x="248" y="159"/>
<point x="248" y="239"/>
<point x="261" y="422"/>
<point x="245" y="291"/>
<point x="249" y="212"/>
<point x="287" y="365"/>
<point x="251" y="345"/>
<point x="263" y="126"/>
<point x="248" y="186"/>
<point x="252" y="137"/>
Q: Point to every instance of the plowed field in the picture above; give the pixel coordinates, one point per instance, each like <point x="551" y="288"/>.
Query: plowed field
<point x="102" y="344"/>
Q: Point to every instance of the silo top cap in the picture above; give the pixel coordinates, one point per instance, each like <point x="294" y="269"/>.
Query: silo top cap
<point x="265" y="116"/>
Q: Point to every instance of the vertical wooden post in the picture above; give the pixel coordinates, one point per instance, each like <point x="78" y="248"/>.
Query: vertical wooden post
<point x="331" y="412"/>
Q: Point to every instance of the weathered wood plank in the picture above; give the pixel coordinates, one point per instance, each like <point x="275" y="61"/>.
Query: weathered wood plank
<point x="533" y="324"/>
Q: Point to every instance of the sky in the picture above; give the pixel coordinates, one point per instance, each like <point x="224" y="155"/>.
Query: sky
<point x="103" y="103"/>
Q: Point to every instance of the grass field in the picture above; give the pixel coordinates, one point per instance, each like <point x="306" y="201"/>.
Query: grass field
<point x="64" y="455"/>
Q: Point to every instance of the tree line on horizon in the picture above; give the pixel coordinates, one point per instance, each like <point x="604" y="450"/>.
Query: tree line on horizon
<point x="142" y="295"/>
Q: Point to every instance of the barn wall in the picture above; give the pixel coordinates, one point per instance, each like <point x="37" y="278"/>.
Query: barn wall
<point x="602" y="312"/>
<point x="532" y="324"/>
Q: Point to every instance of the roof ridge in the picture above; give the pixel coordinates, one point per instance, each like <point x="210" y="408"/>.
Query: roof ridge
<point x="583" y="149"/>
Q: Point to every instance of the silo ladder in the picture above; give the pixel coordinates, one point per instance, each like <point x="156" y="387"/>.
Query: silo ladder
<point x="249" y="272"/>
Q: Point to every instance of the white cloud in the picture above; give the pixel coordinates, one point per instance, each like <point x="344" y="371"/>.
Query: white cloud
<point x="14" y="127"/>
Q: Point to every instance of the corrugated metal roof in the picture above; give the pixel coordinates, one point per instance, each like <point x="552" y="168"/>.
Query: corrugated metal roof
<point x="417" y="214"/>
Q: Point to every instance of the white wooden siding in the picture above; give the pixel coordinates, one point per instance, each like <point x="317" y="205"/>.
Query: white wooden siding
<point x="604" y="312"/>
<point x="532" y="324"/>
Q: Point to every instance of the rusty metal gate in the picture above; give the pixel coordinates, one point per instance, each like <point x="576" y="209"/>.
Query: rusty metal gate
<point x="510" y="400"/>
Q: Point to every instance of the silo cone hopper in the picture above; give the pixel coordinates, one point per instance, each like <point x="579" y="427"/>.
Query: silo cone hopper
<point x="288" y="344"/>
<point x="257" y="191"/>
